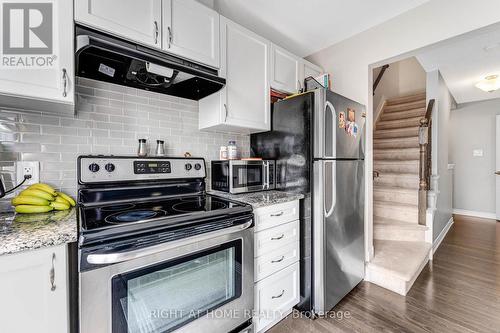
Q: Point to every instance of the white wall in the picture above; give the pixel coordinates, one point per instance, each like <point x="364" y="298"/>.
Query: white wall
<point x="472" y="126"/>
<point x="443" y="185"/>
<point x="350" y="62"/>
<point x="402" y="78"/>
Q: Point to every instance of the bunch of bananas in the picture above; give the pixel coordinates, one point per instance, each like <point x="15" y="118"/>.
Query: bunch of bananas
<point x="41" y="198"/>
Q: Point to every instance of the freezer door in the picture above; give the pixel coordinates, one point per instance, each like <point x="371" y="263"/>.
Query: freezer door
<point x="339" y="126"/>
<point x="338" y="230"/>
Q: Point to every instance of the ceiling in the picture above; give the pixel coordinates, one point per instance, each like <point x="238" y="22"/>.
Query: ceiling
<point x="307" y="26"/>
<point x="464" y="61"/>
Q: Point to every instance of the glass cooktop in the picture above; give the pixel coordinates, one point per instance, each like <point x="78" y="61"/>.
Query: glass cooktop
<point x="150" y="212"/>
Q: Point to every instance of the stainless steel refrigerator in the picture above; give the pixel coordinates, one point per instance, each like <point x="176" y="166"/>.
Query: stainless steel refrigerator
<point x="317" y="140"/>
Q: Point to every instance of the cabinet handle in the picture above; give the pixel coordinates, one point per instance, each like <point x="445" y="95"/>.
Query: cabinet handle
<point x="156" y="32"/>
<point x="65" y="82"/>
<point x="277" y="214"/>
<point x="226" y="112"/>
<point x="52" y="274"/>
<point x="170" y="37"/>
<point x="278" y="296"/>
<point x="279" y="260"/>
<point x="278" y="238"/>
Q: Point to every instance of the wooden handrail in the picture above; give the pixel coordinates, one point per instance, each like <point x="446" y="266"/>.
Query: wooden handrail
<point x="424" y="138"/>
<point x="379" y="77"/>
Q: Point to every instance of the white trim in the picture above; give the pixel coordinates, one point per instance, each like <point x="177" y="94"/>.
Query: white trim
<point x="380" y="109"/>
<point x="484" y="215"/>
<point x="442" y="235"/>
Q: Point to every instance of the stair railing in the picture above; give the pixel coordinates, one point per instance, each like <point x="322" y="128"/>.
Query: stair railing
<point x="425" y="163"/>
<point x="379" y="77"/>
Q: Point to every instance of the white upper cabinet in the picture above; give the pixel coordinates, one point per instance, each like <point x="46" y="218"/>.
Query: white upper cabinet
<point x="191" y="30"/>
<point x="135" y="20"/>
<point x="48" y="84"/>
<point x="244" y="103"/>
<point x="307" y="69"/>
<point x="34" y="289"/>
<point x="284" y="70"/>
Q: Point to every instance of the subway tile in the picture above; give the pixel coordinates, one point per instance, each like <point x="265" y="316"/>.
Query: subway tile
<point x="19" y="147"/>
<point x="37" y="138"/>
<point x="94" y="100"/>
<point x="102" y="133"/>
<point x="84" y="132"/>
<point x="58" y="148"/>
<point x="73" y="139"/>
<point x="108" y="94"/>
<point x="109" y="110"/>
<point x="84" y="90"/>
<point x="71" y="122"/>
<point x="136" y="99"/>
<point x="18" y="128"/>
<point x="123" y="120"/>
<point x="110" y="126"/>
<point x="57" y="166"/>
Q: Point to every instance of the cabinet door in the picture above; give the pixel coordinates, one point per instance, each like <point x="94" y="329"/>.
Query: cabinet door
<point x="245" y="64"/>
<point x="307" y="69"/>
<point x="191" y="30"/>
<point x="47" y="83"/>
<point x="31" y="301"/>
<point x="135" y="20"/>
<point x="284" y="70"/>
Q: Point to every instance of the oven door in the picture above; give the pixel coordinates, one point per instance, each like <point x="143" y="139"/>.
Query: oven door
<point x="248" y="176"/>
<point x="199" y="286"/>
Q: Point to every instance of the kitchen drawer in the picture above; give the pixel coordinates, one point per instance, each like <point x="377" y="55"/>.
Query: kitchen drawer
<point x="274" y="261"/>
<point x="269" y="240"/>
<point x="271" y="216"/>
<point x="275" y="296"/>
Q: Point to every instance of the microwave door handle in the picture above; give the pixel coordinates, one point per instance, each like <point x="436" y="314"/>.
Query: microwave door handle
<point x="266" y="175"/>
<point x="114" y="258"/>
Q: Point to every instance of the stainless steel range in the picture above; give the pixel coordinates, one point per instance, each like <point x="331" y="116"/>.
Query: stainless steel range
<point x="158" y="254"/>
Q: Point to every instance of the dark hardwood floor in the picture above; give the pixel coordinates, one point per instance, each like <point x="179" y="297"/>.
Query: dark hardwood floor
<point x="459" y="291"/>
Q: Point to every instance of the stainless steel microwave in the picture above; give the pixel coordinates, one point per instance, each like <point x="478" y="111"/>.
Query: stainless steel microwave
<point x="240" y="176"/>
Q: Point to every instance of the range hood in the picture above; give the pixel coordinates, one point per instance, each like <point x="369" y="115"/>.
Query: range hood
<point x="105" y="58"/>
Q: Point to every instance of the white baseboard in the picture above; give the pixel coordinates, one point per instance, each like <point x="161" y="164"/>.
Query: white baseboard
<point x="442" y="235"/>
<point x="484" y="215"/>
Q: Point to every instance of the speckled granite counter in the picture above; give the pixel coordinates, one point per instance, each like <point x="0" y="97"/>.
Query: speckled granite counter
<point x="260" y="199"/>
<point x="33" y="231"/>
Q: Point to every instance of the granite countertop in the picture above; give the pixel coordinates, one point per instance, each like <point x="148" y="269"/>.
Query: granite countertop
<point x="260" y="199"/>
<point x="22" y="232"/>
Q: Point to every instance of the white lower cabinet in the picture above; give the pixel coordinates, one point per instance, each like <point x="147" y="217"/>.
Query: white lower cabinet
<point x="277" y="270"/>
<point x="275" y="297"/>
<point x="34" y="291"/>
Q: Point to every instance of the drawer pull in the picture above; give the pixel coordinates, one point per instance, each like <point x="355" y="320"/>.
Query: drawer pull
<point x="278" y="238"/>
<point x="277" y="214"/>
<point x="279" y="260"/>
<point x="278" y="296"/>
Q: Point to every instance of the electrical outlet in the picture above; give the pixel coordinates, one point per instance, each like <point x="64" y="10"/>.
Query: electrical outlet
<point x="28" y="168"/>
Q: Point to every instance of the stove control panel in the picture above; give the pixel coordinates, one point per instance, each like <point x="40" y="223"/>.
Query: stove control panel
<point x="102" y="169"/>
<point x="142" y="167"/>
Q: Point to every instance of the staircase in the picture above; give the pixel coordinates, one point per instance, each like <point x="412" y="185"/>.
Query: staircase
<point x="401" y="246"/>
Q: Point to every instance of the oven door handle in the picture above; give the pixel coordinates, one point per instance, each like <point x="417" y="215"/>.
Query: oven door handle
<point x="114" y="258"/>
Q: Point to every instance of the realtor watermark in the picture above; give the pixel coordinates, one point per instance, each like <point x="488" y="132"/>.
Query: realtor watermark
<point x="27" y="35"/>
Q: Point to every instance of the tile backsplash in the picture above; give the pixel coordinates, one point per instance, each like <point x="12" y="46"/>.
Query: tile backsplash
<point x="109" y="120"/>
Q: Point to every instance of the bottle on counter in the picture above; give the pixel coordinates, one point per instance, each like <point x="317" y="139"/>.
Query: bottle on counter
<point x="223" y="153"/>
<point x="232" y="150"/>
<point x="160" y="148"/>
<point x="142" y="150"/>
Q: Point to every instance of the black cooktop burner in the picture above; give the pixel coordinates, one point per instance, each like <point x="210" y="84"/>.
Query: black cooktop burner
<point x="154" y="212"/>
<point x="134" y="216"/>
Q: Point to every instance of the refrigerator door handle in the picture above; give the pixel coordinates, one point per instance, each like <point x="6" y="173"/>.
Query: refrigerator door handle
<point x="329" y="187"/>
<point x="330" y="129"/>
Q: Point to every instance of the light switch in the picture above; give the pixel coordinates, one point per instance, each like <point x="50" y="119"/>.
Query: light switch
<point x="477" y="153"/>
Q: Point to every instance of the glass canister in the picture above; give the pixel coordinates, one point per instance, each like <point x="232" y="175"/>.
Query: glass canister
<point x="160" y="148"/>
<point x="232" y="150"/>
<point x="142" y="150"/>
<point x="223" y="153"/>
